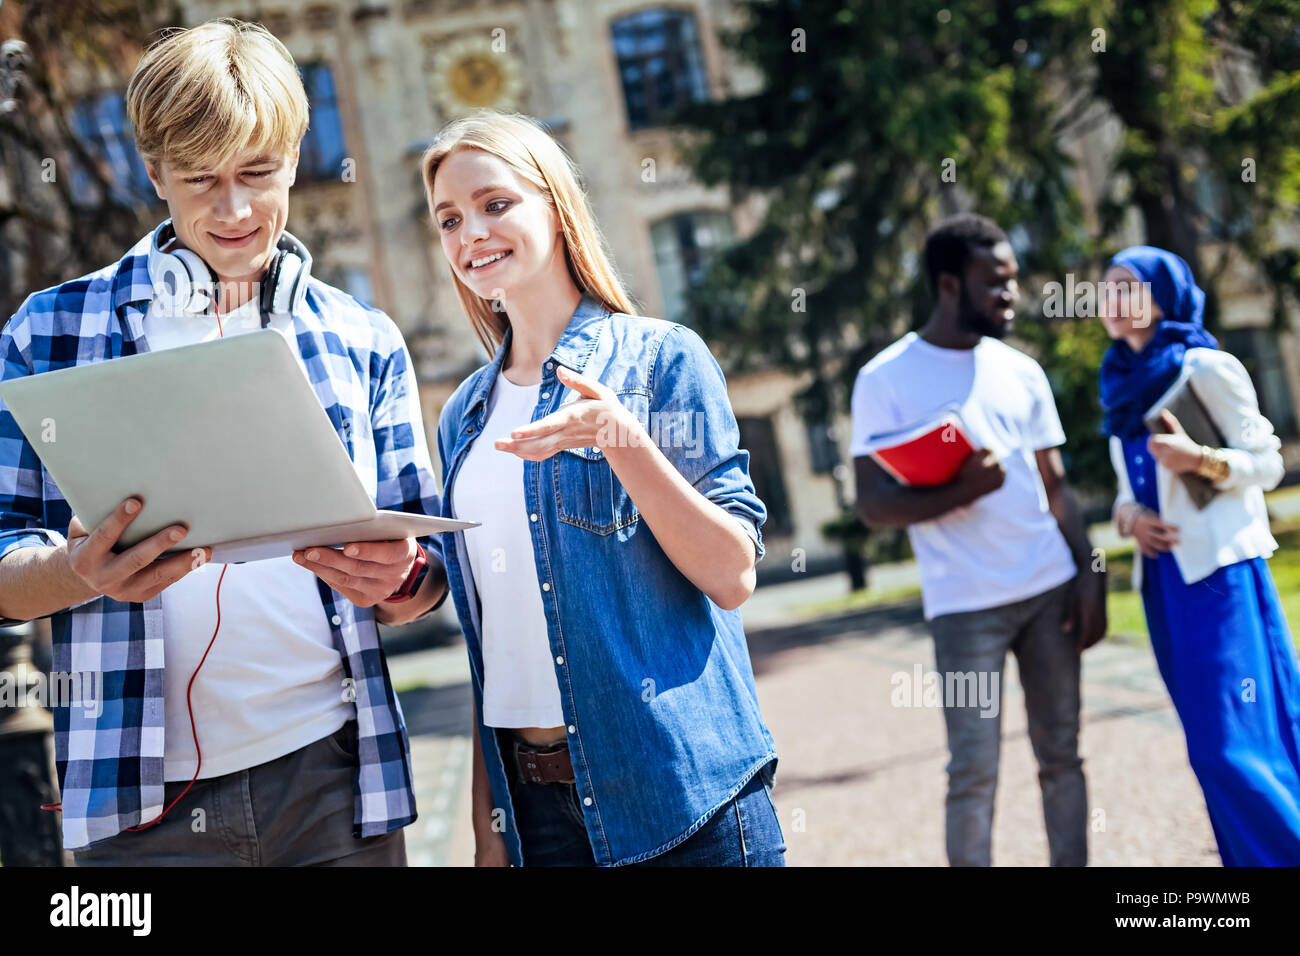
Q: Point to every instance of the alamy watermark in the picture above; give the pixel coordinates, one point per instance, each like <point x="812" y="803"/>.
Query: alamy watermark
<point x="174" y="293"/>
<point x="29" y="687"/>
<point x="1082" y="299"/>
<point x="952" y="689"/>
<point x="75" y="908"/>
<point x="676" y="429"/>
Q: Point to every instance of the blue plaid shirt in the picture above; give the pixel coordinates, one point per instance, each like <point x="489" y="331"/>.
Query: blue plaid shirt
<point x="111" y="764"/>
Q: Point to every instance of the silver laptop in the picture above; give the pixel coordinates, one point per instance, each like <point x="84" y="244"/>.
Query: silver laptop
<point x="226" y="437"/>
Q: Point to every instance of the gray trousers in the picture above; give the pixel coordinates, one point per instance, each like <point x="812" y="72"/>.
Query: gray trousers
<point x="295" y="810"/>
<point x="976" y="642"/>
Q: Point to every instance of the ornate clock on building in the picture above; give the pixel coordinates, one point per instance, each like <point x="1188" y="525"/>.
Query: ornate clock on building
<point x="475" y="72"/>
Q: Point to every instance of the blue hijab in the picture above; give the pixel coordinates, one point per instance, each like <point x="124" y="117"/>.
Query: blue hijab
<point x="1131" y="382"/>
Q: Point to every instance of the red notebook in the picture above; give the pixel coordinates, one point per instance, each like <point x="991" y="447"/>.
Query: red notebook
<point x="927" y="453"/>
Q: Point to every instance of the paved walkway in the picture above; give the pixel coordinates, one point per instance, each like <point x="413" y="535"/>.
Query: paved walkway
<point x="861" y="781"/>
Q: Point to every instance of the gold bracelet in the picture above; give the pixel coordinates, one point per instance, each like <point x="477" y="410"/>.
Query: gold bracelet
<point x="1214" y="464"/>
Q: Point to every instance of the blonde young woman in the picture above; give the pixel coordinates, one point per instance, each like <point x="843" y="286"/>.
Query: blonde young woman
<point x="616" y="718"/>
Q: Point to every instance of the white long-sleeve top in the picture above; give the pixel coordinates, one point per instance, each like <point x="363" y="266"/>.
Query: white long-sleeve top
<point x="1234" y="526"/>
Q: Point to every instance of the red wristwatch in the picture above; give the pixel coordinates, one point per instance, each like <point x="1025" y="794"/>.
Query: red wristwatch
<point x="413" y="580"/>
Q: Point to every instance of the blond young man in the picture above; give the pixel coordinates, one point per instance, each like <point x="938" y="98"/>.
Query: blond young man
<point x="304" y="753"/>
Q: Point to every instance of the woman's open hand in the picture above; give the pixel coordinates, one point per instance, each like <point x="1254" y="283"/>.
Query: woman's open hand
<point x="596" y="420"/>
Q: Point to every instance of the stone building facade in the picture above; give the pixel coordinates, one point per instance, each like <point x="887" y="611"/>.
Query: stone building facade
<point x="383" y="78"/>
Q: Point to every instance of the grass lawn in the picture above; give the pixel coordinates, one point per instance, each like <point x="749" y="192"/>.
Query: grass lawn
<point x="1283" y="496"/>
<point x="857" y="601"/>
<point x="1125" y="605"/>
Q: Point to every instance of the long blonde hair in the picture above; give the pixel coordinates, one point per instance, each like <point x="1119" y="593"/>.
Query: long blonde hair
<point x="538" y="159"/>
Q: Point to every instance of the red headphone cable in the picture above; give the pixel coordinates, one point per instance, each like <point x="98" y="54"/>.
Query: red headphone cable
<point x="189" y="703"/>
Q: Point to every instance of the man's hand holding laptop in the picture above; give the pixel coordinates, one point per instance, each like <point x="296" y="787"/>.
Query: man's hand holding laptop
<point x="136" y="574"/>
<point x="364" y="572"/>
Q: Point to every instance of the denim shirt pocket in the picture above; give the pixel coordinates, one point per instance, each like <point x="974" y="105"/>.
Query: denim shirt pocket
<point x="588" y="494"/>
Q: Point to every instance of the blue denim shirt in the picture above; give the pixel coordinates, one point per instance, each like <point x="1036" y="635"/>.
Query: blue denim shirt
<point x="655" y="679"/>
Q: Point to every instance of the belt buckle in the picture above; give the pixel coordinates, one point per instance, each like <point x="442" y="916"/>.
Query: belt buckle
<point x="530" y="775"/>
<point x="528" y="770"/>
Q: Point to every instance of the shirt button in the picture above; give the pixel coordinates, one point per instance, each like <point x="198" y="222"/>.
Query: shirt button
<point x="572" y="729"/>
<point x="470" y="430"/>
<point x="546" y="394"/>
<point x="546" y="585"/>
<point x="336" y="620"/>
<point x="586" y="801"/>
<point x="559" y="660"/>
<point x="550" y="366"/>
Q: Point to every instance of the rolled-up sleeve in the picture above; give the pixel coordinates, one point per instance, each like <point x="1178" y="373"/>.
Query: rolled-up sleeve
<point x="695" y="428"/>
<point x="22" y="502"/>
<point x="1252" y="447"/>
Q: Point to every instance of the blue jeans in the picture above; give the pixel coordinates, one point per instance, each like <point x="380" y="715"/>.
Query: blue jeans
<point x="743" y="832"/>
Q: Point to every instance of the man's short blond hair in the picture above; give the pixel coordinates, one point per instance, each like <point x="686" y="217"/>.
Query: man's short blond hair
<point x="200" y="96"/>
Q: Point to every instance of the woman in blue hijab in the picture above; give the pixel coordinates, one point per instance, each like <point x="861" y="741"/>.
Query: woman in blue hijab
<point x="1220" y="638"/>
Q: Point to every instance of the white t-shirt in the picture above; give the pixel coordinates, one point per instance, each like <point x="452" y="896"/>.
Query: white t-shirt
<point x="1006" y="545"/>
<point x="519" y="684"/>
<point x="273" y="681"/>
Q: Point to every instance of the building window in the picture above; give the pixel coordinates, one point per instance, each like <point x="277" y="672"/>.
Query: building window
<point x="660" y="64"/>
<point x="99" y="122"/>
<point x="684" y="246"/>
<point x="322" y="151"/>
<point x="758" y="437"/>
<point x="1258" y="351"/>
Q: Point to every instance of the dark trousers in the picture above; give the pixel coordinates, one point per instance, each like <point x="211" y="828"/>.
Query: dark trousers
<point x="296" y="810"/>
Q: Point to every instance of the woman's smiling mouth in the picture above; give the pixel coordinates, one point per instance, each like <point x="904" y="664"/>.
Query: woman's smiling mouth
<point x="479" y="263"/>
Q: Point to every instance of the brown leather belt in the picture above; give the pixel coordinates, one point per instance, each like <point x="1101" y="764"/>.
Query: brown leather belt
<point x="528" y="763"/>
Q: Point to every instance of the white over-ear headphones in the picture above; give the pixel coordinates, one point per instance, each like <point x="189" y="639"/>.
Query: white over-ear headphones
<point x="179" y="278"/>
<point x="185" y="283"/>
<point x="284" y="284"/>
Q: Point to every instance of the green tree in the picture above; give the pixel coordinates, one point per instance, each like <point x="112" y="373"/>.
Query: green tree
<point x="874" y="118"/>
<point x="53" y="224"/>
<point x="1208" y="99"/>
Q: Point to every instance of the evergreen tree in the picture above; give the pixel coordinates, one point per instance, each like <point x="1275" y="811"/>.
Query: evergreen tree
<point x="874" y="118"/>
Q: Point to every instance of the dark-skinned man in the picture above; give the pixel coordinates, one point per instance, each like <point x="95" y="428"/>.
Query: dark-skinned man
<point x="1005" y="560"/>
